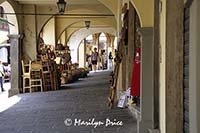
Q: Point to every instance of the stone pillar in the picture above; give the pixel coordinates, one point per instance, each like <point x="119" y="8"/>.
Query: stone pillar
<point x="98" y="43"/>
<point x="156" y="62"/>
<point x="94" y="39"/>
<point x="108" y="44"/>
<point x="145" y="122"/>
<point x="194" y="68"/>
<point x="85" y="52"/>
<point x="124" y="67"/>
<point x="29" y="29"/>
<point x="174" y="66"/>
<point x="112" y="41"/>
<point x="15" y="58"/>
<point x="131" y="40"/>
<point x="82" y="54"/>
<point x="108" y="39"/>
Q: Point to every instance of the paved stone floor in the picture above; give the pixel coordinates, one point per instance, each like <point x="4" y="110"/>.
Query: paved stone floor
<point x="84" y="100"/>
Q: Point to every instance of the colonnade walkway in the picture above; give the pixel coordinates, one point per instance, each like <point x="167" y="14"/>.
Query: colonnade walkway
<point x="79" y="107"/>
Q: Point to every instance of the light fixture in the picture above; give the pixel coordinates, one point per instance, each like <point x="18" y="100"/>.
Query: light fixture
<point x="61" y="6"/>
<point x="87" y="24"/>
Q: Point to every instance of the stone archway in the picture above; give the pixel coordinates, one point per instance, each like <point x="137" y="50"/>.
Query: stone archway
<point x="13" y="29"/>
<point x="43" y="21"/>
<point x="15" y="48"/>
<point x="80" y="34"/>
<point x="145" y="11"/>
<point x="102" y="41"/>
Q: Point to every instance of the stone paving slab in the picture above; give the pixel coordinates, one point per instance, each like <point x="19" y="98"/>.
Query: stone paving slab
<point x="46" y="112"/>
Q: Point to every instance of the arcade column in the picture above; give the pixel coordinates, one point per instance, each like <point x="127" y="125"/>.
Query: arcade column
<point x="15" y="58"/>
<point x="145" y="123"/>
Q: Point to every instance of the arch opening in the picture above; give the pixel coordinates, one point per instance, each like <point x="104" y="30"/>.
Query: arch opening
<point x="79" y="35"/>
<point x="103" y="43"/>
<point x="8" y="26"/>
<point x="12" y="19"/>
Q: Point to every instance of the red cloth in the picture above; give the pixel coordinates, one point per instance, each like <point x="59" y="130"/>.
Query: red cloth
<point x="135" y="81"/>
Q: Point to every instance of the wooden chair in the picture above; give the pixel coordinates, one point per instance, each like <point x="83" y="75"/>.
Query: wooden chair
<point x="47" y="76"/>
<point x="26" y="70"/>
<point x="36" y="75"/>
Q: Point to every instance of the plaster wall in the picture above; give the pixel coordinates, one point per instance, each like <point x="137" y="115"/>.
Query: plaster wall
<point x="43" y="19"/>
<point x="119" y="11"/>
<point x="49" y="32"/>
<point x="29" y="41"/>
<point x="162" y="94"/>
<point x="194" y="71"/>
<point x="81" y="59"/>
<point x="88" y="9"/>
<point x="69" y="32"/>
<point x="62" y="24"/>
<point x="145" y="11"/>
<point x="62" y="38"/>
<point x="78" y="24"/>
<point x="112" y="5"/>
<point x="72" y="9"/>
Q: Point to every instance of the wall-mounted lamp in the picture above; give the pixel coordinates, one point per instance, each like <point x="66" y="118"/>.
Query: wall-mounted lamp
<point x="87" y="24"/>
<point x="61" y="6"/>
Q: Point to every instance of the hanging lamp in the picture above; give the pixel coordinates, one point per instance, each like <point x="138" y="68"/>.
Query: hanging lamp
<point x="61" y="6"/>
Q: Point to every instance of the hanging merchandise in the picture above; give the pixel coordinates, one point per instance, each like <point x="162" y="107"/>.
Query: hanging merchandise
<point x="118" y="59"/>
<point x="135" y="82"/>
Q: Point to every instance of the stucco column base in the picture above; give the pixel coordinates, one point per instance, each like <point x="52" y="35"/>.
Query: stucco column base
<point x="13" y="91"/>
<point x="154" y="131"/>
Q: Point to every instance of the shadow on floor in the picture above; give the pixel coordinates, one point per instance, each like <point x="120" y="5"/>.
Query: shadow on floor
<point x="86" y="101"/>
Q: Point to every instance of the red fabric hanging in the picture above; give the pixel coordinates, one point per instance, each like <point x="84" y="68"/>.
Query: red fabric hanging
<point x="135" y="81"/>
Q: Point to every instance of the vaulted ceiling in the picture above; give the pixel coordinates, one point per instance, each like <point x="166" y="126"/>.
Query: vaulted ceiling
<point x="71" y="2"/>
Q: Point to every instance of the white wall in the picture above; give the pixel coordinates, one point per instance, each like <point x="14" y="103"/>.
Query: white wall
<point x="29" y="27"/>
<point x="49" y="32"/>
<point x="62" y="38"/>
<point x="81" y="59"/>
<point x="162" y="91"/>
<point x="3" y="36"/>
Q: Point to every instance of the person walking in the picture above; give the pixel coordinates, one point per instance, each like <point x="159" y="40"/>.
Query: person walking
<point x="94" y="59"/>
<point x="1" y="76"/>
<point x="110" y="61"/>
